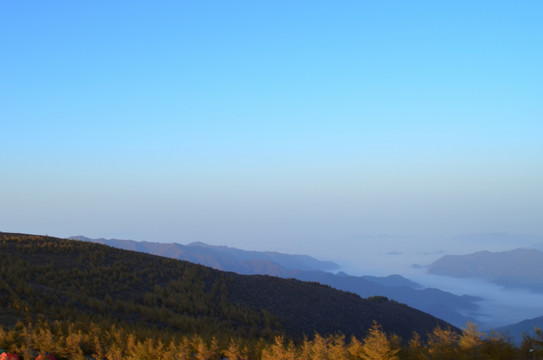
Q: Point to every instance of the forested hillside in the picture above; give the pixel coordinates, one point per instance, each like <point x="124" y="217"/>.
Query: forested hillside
<point x="72" y="280"/>
<point x="454" y="309"/>
<point x="78" y="299"/>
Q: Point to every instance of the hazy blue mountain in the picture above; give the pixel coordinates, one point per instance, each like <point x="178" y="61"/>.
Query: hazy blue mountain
<point x="522" y="268"/>
<point x="290" y="262"/>
<point x="515" y="331"/>
<point x="444" y="305"/>
<point x="392" y="280"/>
<point x="223" y="257"/>
<point x="441" y="304"/>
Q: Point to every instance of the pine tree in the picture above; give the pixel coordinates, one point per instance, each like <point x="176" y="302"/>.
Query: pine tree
<point x="114" y="352"/>
<point x="4" y="343"/>
<point x="278" y="351"/>
<point x="73" y="346"/>
<point x="337" y="349"/>
<point x="415" y="348"/>
<point x="355" y="349"/>
<point x="497" y="347"/>
<point x="470" y="342"/>
<point x="319" y="348"/>
<point x="443" y="344"/>
<point x="205" y="351"/>
<point x="235" y="351"/>
<point x="45" y="341"/>
<point x="26" y="344"/>
<point x="377" y="346"/>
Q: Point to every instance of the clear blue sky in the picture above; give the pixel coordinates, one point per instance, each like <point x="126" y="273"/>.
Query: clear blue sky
<point x="287" y="125"/>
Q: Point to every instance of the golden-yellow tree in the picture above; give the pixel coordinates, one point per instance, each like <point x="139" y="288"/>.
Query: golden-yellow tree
<point x="470" y="342"/>
<point x="443" y="344"/>
<point x="278" y="351"/>
<point x="235" y="351"/>
<point x="415" y="349"/>
<point x="497" y="347"/>
<point x="378" y="346"/>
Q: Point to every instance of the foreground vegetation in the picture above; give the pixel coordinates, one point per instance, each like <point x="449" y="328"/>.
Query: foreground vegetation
<point x="70" y="341"/>
<point x="80" y="300"/>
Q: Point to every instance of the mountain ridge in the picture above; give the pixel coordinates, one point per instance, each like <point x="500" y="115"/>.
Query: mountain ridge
<point x="517" y="330"/>
<point x="229" y="254"/>
<point x="71" y="279"/>
<point x="444" y="305"/>
<point x="517" y="268"/>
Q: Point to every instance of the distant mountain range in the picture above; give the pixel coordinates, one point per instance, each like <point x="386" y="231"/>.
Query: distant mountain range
<point x="519" y="268"/>
<point x="76" y="282"/>
<point x="444" y="305"/>
<point x="223" y="257"/>
<point x="515" y="331"/>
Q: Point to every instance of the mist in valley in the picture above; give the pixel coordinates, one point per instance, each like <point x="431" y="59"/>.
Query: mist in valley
<point x="383" y="255"/>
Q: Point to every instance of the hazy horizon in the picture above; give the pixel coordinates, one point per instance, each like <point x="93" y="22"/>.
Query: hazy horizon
<point x="301" y="127"/>
<point x="498" y="305"/>
<point x="383" y="254"/>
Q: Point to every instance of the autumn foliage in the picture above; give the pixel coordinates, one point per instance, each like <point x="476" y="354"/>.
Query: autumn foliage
<point x="69" y="341"/>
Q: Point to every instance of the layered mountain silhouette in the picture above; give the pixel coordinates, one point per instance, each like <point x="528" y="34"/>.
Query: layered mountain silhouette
<point x="519" y="268"/>
<point x="223" y="257"/>
<point x="444" y="305"/>
<point x="526" y="327"/>
<point x="50" y="279"/>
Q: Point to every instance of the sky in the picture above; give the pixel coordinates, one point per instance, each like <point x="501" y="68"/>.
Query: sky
<point x="297" y="126"/>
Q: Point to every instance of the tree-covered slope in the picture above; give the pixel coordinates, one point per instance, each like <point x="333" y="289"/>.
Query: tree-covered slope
<point x="58" y="279"/>
<point x="452" y="308"/>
